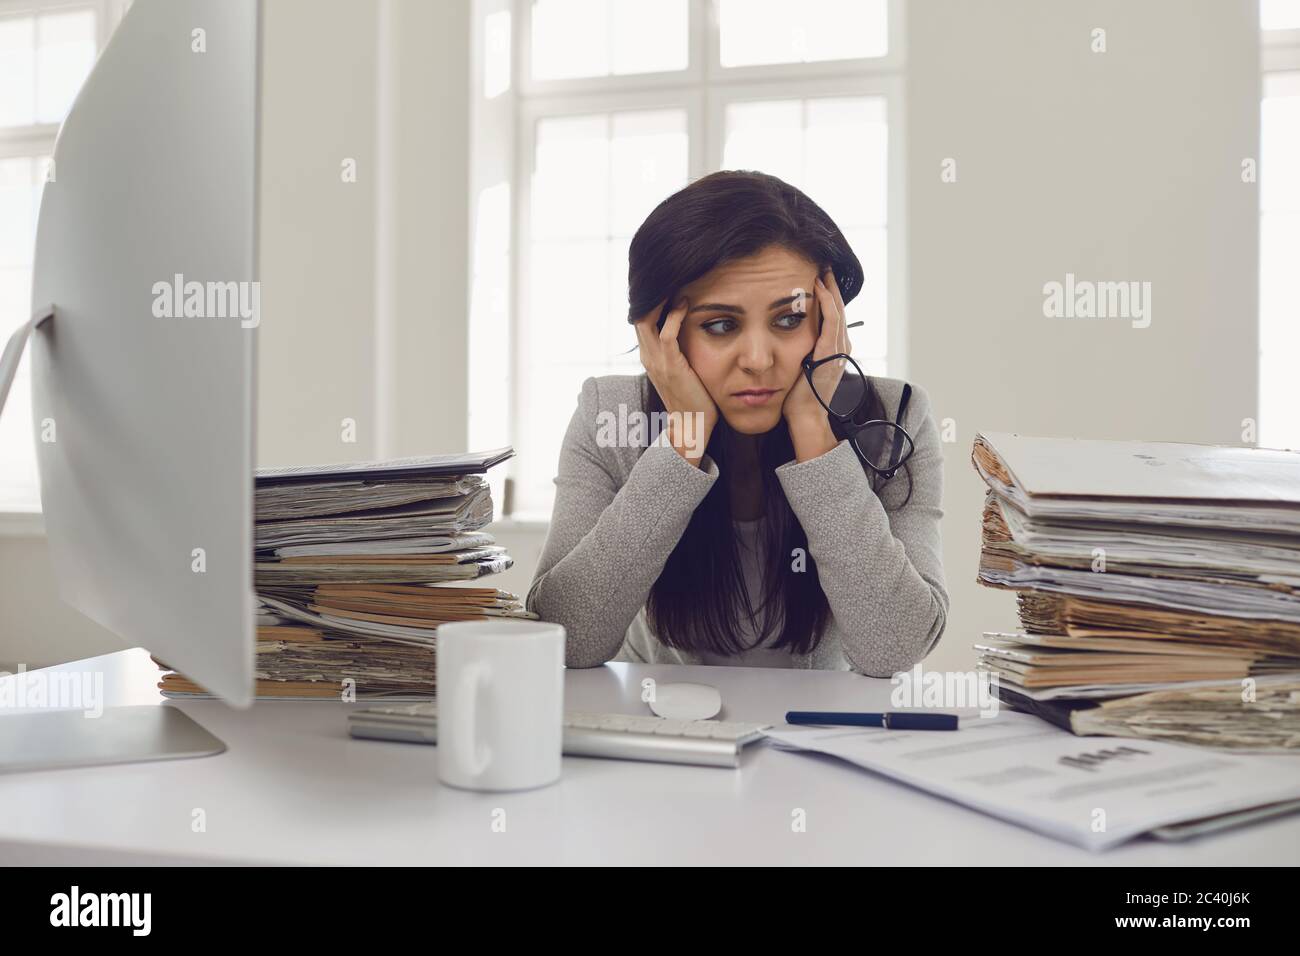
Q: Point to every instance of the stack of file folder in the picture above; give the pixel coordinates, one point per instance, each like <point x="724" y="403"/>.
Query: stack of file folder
<point x="356" y="565"/>
<point x="1158" y="587"/>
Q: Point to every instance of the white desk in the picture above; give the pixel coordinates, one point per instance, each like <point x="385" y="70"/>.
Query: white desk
<point x="293" y="787"/>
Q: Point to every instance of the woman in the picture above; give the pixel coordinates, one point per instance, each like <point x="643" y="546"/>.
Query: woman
<point x="758" y="537"/>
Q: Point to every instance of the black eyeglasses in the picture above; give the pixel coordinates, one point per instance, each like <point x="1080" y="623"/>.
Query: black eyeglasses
<point x="883" y="446"/>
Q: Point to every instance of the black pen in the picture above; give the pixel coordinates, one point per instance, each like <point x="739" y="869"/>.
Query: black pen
<point x="894" y="721"/>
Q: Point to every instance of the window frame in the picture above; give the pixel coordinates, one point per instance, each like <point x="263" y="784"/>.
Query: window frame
<point x="703" y="90"/>
<point x="1279" y="53"/>
<point x="35" y="140"/>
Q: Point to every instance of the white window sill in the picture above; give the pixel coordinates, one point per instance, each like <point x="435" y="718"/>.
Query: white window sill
<point x="22" y="524"/>
<point x="29" y="524"/>
<point x="519" y="526"/>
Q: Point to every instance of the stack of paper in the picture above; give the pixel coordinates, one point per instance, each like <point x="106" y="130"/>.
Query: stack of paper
<point x="1144" y="567"/>
<point x="356" y="565"/>
<point x="1091" y="794"/>
<point x="1210" y="715"/>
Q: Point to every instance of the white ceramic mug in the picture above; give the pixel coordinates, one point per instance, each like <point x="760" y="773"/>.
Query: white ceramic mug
<point x="500" y="704"/>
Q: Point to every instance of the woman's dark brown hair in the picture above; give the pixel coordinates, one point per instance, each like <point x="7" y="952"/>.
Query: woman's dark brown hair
<point x="699" y="595"/>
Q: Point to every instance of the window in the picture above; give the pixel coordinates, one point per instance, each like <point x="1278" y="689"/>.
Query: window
<point x="619" y="103"/>
<point x="1279" y="226"/>
<point x="46" y="51"/>
<point x="1277" y="15"/>
<point x="836" y="150"/>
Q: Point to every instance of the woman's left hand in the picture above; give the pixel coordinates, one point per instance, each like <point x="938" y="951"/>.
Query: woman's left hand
<point x="801" y="409"/>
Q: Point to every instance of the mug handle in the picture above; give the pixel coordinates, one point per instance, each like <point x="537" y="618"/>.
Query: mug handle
<point x="472" y="758"/>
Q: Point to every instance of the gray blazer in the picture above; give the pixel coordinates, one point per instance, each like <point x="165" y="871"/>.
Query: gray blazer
<point x="619" y="512"/>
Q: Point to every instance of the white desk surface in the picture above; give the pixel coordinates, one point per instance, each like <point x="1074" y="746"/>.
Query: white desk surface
<point x="293" y="787"/>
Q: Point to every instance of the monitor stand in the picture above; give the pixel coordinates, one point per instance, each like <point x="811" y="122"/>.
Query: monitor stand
<point x="58" y="739"/>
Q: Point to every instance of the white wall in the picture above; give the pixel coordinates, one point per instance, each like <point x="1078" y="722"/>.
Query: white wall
<point x="1122" y="165"/>
<point x="1115" y="165"/>
<point x="365" y="284"/>
<point x="316" y="342"/>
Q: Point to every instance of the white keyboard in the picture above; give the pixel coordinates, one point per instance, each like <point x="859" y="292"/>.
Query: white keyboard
<point x="714" y="743"/>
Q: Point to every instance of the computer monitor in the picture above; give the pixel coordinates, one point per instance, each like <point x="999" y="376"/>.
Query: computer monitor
<point x="142" y="379"/>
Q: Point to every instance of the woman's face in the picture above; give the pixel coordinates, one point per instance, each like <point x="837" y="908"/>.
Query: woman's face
<point x="750" y="324"/>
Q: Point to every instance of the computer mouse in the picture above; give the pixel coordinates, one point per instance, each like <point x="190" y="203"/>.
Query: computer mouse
<point x="686" y="701"/>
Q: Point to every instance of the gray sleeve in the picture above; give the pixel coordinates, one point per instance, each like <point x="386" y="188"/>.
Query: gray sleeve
<point x="880" y="567"/>
<point x="607" y="544"/>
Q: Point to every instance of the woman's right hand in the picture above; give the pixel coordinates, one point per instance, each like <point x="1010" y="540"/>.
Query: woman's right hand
<point x="676" y="382"/>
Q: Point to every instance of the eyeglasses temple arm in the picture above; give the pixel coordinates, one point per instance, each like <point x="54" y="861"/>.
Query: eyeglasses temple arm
<point x="902" y="409"/>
